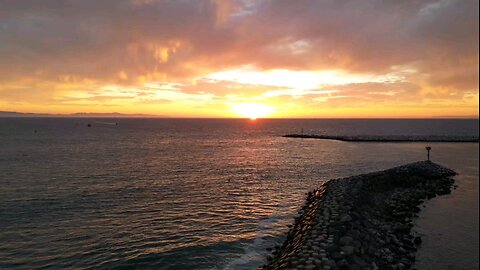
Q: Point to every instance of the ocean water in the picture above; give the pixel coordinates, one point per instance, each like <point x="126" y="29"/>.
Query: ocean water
<point x="180" y="193"/>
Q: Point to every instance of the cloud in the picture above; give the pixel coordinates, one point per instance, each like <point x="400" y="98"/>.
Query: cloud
<point x="50" y="48"/>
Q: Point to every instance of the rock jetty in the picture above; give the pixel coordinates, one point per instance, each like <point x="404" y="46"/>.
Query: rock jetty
<point x="395" y="138"/>
<point x="362" y="222"/>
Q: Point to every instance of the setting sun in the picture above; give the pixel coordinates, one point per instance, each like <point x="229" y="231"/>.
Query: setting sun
<point x="252" y="110"/>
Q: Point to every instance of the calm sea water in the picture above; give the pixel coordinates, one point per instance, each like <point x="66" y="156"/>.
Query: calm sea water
<point x="179" y="193"/>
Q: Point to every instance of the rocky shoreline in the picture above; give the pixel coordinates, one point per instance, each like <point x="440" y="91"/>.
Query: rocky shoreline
<point x="396" y="138"/>
<point x="362" y="222"/>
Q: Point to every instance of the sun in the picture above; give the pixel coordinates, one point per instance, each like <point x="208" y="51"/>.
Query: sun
<point x="252" y="110"/>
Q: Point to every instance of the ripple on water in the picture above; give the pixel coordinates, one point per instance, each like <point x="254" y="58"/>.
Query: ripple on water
<point x="169" y="194"/>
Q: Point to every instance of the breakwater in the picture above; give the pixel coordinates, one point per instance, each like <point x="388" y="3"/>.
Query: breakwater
<point x="393" y="138"/>
<point x="362" y="222"/>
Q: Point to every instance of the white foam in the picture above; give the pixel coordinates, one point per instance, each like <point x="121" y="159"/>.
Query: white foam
<point x="255" y="253"/>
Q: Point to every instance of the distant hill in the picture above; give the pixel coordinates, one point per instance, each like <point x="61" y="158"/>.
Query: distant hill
<point x="80" y="115"/>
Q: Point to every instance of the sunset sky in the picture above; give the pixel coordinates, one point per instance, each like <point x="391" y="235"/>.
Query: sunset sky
<point x="244" y="58"/>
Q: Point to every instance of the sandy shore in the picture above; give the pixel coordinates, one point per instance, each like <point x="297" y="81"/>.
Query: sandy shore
<point x="362" y="222"/>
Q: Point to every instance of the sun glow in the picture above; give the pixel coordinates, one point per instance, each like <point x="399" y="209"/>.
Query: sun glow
<point x="297" y="79"/>
<point x="252" y="110"/>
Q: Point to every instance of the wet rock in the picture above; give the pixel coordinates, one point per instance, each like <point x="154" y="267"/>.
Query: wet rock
<point x="345" y="218"/>
<point x="345" y="240"/>
<point x="349" y="250"/>
<point x="417" y="240"/>
<point x="343" y="264"/>
<point x="331" y="263"/>
<point x="337" y="256"/>
<point x="359" y="261"/>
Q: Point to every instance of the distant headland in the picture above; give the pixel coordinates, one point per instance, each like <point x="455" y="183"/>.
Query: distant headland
<point x="80" y="115"/>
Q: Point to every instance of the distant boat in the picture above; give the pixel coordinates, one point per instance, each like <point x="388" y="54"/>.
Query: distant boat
<point x="107" y="123"/>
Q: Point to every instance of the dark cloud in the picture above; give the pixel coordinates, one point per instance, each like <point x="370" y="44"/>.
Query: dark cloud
<point x="99" y="39"/>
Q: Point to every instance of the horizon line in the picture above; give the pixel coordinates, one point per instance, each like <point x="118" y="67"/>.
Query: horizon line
<point x="16" y="114"/>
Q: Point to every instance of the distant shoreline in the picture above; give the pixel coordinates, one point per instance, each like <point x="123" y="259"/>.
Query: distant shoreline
<point x="13" y="114"/>
<point x="452" y="139"/>
<point x="4" y="114"/>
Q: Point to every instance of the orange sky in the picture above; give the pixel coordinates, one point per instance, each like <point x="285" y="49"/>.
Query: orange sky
<point x="243" y="58"/>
